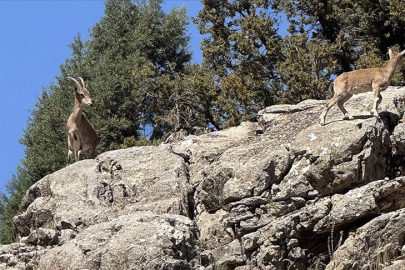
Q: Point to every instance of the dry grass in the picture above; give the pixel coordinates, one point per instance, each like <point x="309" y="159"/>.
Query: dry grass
<point x="383" y="255"/>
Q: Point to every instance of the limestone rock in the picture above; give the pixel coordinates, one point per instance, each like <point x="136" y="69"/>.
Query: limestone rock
<point x="95" y="191"/>
<point x="273" y="194"/>
<point x="373" y="245"/>
<point x="143" y="239"/>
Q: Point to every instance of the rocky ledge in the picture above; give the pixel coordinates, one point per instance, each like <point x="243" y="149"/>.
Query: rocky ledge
<point x="283" y="193"/>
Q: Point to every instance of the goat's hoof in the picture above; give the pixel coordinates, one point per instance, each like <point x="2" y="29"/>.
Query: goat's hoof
<point x="322" y="120"/>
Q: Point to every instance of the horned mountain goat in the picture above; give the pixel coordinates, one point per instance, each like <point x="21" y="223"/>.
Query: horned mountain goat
<point x="82" y="137"/>
<point x="363" y="80"/>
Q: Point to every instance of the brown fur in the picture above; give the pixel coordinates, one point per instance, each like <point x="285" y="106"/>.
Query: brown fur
<point x="363" y="80"/>
<point x="82" y="137"/>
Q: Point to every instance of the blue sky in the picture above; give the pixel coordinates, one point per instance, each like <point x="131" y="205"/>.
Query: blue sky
<point x="34" y="42"/>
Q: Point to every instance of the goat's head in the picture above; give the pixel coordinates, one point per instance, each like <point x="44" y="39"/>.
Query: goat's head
<point x="81" y="92"/>
<point x="396" y="56"/>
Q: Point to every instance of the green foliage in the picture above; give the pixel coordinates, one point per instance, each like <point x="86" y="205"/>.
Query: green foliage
<point x="44" y="138"/>
<point x="177" y="100"/>
<point x="9" y="205"/>
<point x="132" y="38"/>
<point x="133" y="142"/>
<point x="307" y="68"/>
<point x="130" y="35"/>
<point x="372" y="27"/>
<point x="242" y="48"/>
<point x="220" y="266"/>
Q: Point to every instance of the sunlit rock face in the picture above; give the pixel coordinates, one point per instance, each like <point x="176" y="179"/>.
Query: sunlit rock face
<point x="280" y="193"/>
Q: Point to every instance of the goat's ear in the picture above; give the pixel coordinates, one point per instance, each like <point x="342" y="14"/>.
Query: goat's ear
<point x="390" y="53"/>
<point x="402" y="53"/>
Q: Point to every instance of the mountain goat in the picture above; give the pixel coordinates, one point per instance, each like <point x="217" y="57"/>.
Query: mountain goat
<point x="82" y="137"/>
<point x="363" y="80"/>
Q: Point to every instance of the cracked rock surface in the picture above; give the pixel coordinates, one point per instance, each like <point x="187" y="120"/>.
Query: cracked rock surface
<point x="281" y="193"/>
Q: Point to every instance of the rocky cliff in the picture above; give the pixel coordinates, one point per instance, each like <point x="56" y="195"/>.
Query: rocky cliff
<point x="284" y="193"/>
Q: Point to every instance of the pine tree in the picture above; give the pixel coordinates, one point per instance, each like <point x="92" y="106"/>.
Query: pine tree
<point x="242" y="47"/>
<point x="307" y="68"/>
<point x="371" y="29"/>
<point x="9" y="205"/>
<point x="129" y="36"/>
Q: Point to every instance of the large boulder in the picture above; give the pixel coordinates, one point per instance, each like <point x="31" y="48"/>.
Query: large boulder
<point x="375" y="245"/>
<point x="142" y="240"/>
<point x="116" y="183"/>
<point x="281" y="193"/>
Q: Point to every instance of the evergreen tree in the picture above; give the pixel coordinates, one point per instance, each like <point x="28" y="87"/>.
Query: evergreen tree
<point x="242" y="47"/>
<point x="307" y="68"/>
<point x="45" y="136"/>
<point x="371" y="29"/>
<point x="183" y="100"/>
<point x="256" y="67"/>
<point x="9" y="205"/>
<point x="129" y="36"/>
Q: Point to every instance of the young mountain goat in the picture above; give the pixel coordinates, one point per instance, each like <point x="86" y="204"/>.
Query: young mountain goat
<point x="82" y="138"/>
<point x="363" y="80"/>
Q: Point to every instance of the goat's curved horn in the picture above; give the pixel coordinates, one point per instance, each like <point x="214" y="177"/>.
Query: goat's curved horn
<point x="77" y="83"/>
<point x="81" y="79"/>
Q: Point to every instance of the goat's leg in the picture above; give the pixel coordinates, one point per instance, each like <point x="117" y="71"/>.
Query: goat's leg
<point x="70" y="150"/>
<point x="70" y="153"/>
<point x="78" y="155"/>
<point x="342" y="108"/>
<point x="91" y="152"/>
<point x="330" y="104"/>
<point x="377" y="101"/>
